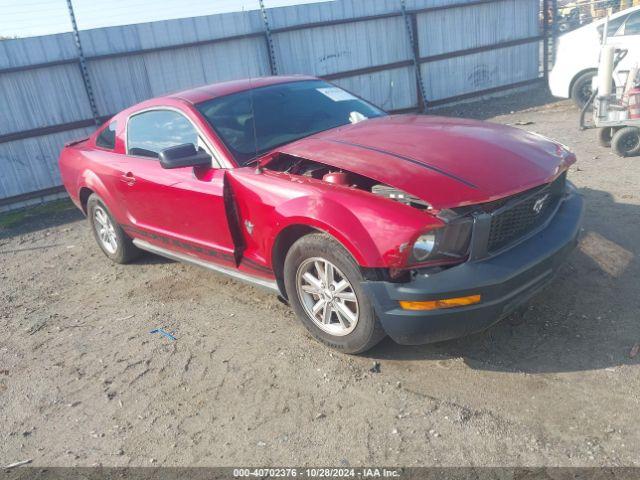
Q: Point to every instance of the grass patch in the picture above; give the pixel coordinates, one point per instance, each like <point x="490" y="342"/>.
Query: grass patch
<point x="13" y="219"/>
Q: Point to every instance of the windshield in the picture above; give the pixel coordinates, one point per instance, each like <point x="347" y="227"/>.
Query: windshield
<point x="255" y="121"/>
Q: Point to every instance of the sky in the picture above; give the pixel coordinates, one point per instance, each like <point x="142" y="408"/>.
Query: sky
<point x="27" y="18"/>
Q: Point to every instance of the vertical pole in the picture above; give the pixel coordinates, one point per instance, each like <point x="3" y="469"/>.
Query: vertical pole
<point x="546" y="40"/>
<point x="411" y="25"/>
<point x="83" y="64"/>
<point x="554" y="30"/>
<point x="416" y="57"/>
<point x="267" y="35"/>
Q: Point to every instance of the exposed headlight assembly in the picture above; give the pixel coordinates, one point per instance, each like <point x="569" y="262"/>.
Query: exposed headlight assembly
<point x="399" y="196"/>
<point x="448" y="244"/>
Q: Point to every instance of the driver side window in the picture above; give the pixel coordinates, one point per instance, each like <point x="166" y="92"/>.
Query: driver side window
<point x="149" y="133"/>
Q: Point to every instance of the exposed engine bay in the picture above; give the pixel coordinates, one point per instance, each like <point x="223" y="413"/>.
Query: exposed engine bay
<point x="319" y="171"/>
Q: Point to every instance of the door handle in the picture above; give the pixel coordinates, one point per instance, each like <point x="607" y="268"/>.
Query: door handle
<point x="128" y="178"/>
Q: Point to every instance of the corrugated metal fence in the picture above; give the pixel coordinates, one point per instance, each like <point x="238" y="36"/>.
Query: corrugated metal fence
<point x="463" y="48"/>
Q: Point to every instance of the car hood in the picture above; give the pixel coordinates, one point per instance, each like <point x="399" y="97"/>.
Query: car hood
<point x="445" y="161"/>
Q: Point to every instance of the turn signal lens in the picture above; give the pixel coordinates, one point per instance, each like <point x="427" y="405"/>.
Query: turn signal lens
<point x="445" y="303"/>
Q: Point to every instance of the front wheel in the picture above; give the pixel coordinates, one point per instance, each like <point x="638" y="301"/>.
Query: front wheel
<point x="323" y="285"/>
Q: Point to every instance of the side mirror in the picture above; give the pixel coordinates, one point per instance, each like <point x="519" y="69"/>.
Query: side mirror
<point x="184" y="155"/>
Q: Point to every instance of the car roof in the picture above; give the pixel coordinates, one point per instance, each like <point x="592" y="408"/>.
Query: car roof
<point x="626" y="11"/>
<point x="208" y="92"/>
<point x="599" y="22"/>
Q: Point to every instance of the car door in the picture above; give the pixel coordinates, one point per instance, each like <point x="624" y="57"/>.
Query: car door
<point x="181" y="209"/>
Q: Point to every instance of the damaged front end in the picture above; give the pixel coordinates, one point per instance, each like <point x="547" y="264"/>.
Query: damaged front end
<point x="442" y="241"/>
<point x="451" y="236"/>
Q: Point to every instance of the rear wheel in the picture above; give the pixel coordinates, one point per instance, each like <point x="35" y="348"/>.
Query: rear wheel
<point x="626" y="142"/>
<point x="111" y="238"/>
<point x="581" y="89"/>
<point x="323" y="285"/>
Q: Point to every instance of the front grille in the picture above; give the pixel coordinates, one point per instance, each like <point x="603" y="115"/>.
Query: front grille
<point x="523" y="213"/>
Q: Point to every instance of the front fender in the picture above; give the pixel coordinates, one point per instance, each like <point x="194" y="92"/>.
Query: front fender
<point x="335" y="219"/>
<point x="376" y="231"/>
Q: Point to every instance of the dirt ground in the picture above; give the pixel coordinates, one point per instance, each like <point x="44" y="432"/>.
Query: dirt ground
<point x="84" y="382"/>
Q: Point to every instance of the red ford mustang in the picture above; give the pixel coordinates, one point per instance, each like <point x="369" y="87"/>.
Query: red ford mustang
<point x="418" y="227"/>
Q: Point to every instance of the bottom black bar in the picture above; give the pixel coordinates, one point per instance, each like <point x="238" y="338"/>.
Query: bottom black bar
<point x="428" y="473"/>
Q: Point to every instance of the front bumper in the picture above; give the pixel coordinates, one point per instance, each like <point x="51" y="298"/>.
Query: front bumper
<point x="504" y="281"/>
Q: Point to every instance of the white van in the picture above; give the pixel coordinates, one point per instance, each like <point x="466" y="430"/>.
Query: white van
<point x="578" y="52"/>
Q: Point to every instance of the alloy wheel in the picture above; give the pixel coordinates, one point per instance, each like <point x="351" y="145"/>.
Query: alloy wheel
<point x="105" y="230"/>
<point x="327" y="296"/>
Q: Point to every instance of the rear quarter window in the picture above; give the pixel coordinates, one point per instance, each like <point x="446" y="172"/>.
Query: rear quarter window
<point x="107" y="138"/>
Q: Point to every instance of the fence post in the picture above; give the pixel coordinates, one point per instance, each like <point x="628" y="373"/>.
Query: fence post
<point x="411" y="25"/>
<point x="83" y="64"/>
<point x="267" y="35"/>
<point x="554" y="30"/>
<point x="546" y="40"/>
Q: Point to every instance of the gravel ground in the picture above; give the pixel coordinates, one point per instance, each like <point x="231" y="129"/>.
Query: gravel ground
<point x="83" y="382"/>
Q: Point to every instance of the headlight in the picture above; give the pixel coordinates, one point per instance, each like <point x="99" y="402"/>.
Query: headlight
<point x="448" y="244"/>
<point x="424" y="246"/>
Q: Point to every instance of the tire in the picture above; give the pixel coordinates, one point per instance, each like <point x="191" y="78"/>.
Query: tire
<point x="605" y="136"/>
<point x="310" y="255"/>
<point x="110" y="236"/>
<point x="581" y="89"/>
<point x="626" y="142"/>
